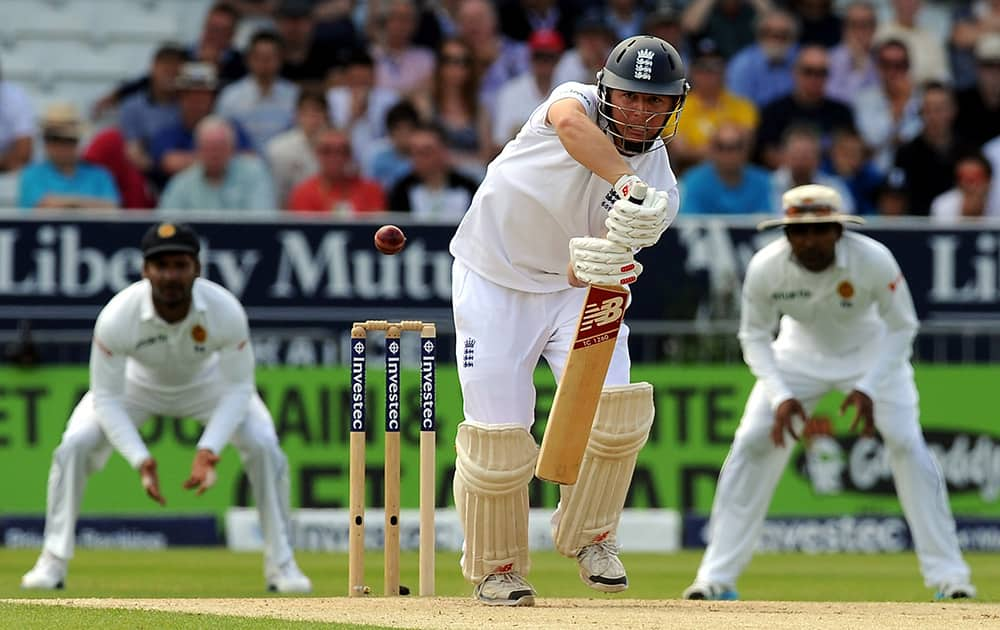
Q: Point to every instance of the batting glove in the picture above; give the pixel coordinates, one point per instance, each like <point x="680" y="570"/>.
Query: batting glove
<point x="625" y="185"/>
<point x="599" y="261"/>
<point x="635" y="225"/>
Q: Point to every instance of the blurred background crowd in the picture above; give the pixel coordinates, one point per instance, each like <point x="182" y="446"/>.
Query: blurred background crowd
<point x="340" y="106"/>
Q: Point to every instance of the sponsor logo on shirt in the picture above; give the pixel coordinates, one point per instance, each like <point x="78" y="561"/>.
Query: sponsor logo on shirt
<point x="148" y="341"/>
<point x="199" y="334"/>
<point x="582" y="95"/>
<point x="791" y="295"/>
<point x="845" y="290"/>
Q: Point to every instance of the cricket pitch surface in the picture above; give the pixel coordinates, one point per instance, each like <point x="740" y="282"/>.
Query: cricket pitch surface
<point x="452" y="613"/>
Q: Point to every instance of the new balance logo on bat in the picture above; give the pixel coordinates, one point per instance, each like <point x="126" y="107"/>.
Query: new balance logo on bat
<point x="600" y="315"/>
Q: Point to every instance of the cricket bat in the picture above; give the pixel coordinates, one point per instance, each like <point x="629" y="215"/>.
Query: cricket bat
<point x="572" y="415"/>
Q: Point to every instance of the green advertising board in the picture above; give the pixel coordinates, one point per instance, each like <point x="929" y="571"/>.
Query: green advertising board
<point x="697" y="412"/>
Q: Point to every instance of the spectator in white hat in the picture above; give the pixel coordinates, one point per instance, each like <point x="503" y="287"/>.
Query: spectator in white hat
<point x="62" y="179"/>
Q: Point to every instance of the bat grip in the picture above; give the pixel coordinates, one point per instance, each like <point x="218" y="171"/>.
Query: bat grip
<point x="638" y="193"/>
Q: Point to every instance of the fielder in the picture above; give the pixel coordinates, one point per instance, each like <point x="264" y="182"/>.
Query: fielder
<point x="552" y="216"/>
<point x="847" y="323"/>
<point x="177" y="345"/>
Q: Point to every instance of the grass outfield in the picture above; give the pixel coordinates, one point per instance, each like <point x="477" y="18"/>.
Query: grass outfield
<point x="218" y="573"/>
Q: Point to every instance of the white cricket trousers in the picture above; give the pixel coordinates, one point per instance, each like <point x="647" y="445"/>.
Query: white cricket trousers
<point x="84" y="450"/>
<point x="754" y="465"/>
<point x="500" y="335"/>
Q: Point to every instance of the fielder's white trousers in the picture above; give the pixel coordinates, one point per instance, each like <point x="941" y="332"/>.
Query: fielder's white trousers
<point x="754" y="465"/>
<point x="500" y="335"/>
<point x="85" y="450"/>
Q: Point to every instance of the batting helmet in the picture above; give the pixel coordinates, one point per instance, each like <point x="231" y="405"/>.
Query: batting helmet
<point x="647" y="65"/>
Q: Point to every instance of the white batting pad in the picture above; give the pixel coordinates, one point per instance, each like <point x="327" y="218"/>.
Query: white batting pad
<point x="589" y="510"/>
<point x="493" y="466"/>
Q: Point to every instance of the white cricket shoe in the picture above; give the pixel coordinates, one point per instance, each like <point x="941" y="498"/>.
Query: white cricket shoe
<point x="600" y="568"/>
<point x="711" y="591"/>
<point x="955" y="590"/>
<point x="505" y="589"/>
<point x="48" y="573"/>
<point x="288" y="579"/>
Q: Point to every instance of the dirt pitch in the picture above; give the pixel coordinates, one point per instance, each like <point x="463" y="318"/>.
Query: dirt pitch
<point x="450" y="613"/>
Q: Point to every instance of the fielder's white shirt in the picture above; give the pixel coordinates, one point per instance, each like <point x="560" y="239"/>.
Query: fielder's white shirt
<point x="208" y="348"/>
<point x="536" y="197"/>
<point x="856" y="315"/>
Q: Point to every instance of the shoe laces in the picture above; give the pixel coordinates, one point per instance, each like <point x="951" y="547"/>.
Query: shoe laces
<point x="606" y="547"/>
<point x="508" y="578"/>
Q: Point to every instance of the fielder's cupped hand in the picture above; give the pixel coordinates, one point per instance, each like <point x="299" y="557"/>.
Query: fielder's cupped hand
<point x="151" y="481"/>
<point x="203" y="474"/>
<point x="864" y="408"/>
<point x="599" y="261"/>
<point x="635" y="225"/>
<point x="784" y="416"/>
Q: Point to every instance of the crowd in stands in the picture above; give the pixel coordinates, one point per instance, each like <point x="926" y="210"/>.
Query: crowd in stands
<point x="333" y="106"/>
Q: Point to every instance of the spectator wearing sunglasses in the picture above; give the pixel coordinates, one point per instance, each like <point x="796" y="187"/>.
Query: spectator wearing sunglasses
<point x="888" y="114"/>
<point x="726" y="183"/>
<point x="62" y="180"/>
<point x="928" y="59"/>
<point x="336" y="188"/>
<point x="807" y="103"/>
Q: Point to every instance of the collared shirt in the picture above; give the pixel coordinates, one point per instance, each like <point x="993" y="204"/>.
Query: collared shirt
<point x="140" y="118"/>
<point x="17" y="117"/>
<point x="752" y="75"/>
<point x="699" y="120"/>
<point x="43" y="178"/>
<point x="292" y="160"/>
<point x="403" y="71"/>
<point x="177" y="137"/>
<point x="704" y="192"/>
<point x="353" y="196"/>
<point x="873" y="116"/>
<point x="132" y="344"/>
<point x="245" y="186"/>
<point x="854" y="319"/>
<point x="264" y="116"/>
<point x="845" y="79"/>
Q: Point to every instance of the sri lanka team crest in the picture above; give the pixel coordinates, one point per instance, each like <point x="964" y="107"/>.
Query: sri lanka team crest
<point x="199" y="334"/>
<point x="845" y="290"/>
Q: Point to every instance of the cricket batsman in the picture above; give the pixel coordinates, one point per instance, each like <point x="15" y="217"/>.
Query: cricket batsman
<point x="171" y="344"/>
<point x="552" y="216"/>
<point x="847" y="323"/>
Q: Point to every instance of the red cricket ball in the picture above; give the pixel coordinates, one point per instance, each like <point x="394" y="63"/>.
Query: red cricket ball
<point x="389" y="239"/>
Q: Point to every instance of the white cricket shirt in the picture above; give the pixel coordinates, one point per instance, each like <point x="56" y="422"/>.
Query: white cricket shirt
<point x="855" y="316"/>
<point x="536" y="197"/>
<point x="208" y="348"/>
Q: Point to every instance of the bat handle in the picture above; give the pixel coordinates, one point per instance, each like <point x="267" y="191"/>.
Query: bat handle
<point x="638" y="193"/>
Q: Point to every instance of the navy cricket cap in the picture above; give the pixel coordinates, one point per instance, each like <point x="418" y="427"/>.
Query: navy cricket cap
<point x="165" y="238"/>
